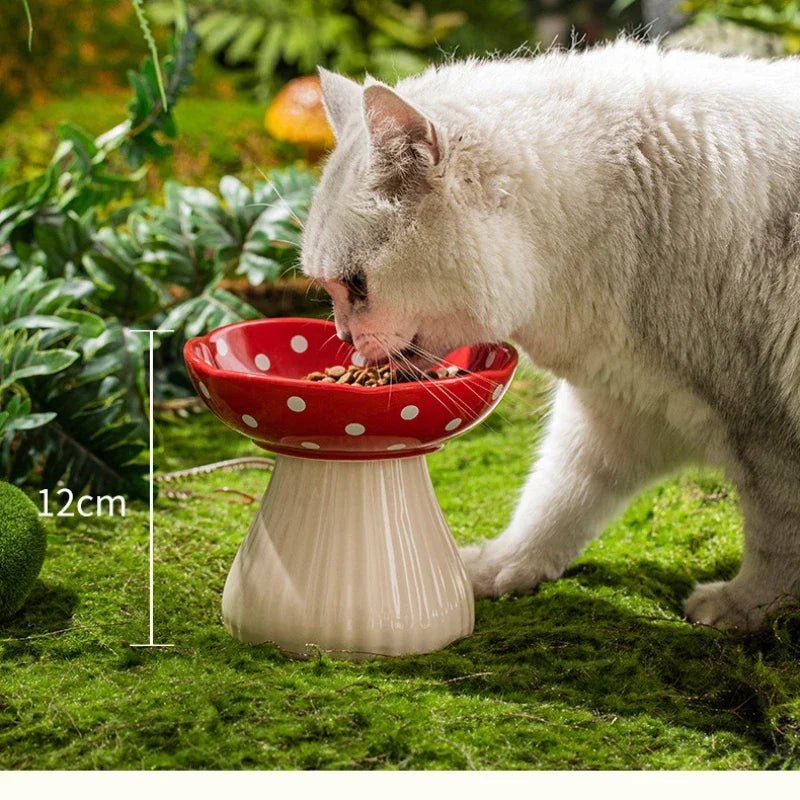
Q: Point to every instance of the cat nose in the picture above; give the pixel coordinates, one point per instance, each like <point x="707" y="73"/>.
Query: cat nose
<point x="338" y="292"/>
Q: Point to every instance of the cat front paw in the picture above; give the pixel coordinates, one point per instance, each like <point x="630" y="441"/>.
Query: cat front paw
<point x="481" y="573"/>
<point x="723" y="605"/>
<point x="493" y="575"/>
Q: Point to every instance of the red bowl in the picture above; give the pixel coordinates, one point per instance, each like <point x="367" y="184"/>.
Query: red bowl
<point x="250" y="374"/>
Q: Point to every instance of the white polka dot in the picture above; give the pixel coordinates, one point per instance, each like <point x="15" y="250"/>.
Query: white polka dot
<point x="490" y="359"/>
<point x="354" y="429"/>
<point x="222" y="347"/>
<point x="409" y="412"/>
<point x="296" y="403"/>
<point x="310" y="445"/>
<point x="204" y="389"/>
<point x="453" y="424"/>
<point x="249" y="421"/>
<point x="498" y="391"/>
<point x="299" y="344"/>
<point x="358" y="359"/>
<point x="263" y="362"/>
<point x="396" y="447"/>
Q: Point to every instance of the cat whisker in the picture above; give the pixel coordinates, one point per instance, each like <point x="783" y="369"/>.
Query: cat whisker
<point x="446" y="391"/>
<point x="510" y="400"/>
<point x="310" y="286"/>
<point x="295" y="218"/>
<point x="290" y="268"/>
<point x="381" y="339"/>
<point x="389" y="394"/>
<point x="283" y="241"/>
<point x="331" y="338"/>
<point x="408" y="364"/>
<point x="488" y="382"/>
<point x="271" y="184"/>
<point x="431" y="387"/>
<point x="416" y="348"/>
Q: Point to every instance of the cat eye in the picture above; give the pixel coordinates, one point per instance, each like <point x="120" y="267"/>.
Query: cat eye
<point x="356" y="283"/>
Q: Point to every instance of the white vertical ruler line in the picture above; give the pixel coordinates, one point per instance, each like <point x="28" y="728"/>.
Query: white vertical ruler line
<point x="151" y="332"/>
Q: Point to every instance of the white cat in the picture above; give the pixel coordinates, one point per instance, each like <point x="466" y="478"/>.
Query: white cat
<point x="632" y="219"/>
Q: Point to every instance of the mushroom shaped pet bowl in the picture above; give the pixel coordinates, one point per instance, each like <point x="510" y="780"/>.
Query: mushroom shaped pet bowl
<point x="349" y="551"/>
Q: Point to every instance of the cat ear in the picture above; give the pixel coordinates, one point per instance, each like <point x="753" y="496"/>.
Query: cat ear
<point x="397" y="130"/>
<point x="341" y="98"/>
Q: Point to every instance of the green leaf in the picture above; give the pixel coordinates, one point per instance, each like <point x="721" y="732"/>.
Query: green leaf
<point x="258" y="269"/>
<point x="235" y="193"/>
<point x="80" y="139"/>
<point x="88" y="436"/>
<point x="17" y="415"/>
<point x="89" y="324"/>
<point x="177" y="316"/>
<point x="244" y="44"/>
<point x="40" y="363"/>
<point x="122" y="286"/>
<point x="34" y="322"/>
<point x="28" y="422"/>
<point x="138" y="6"/>
<point x="270" y="50"/>
<point x="618" y="6"/>
<point x="220" y="29"/>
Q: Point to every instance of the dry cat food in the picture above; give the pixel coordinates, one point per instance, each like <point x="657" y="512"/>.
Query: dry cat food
<point x="377" y="376"/>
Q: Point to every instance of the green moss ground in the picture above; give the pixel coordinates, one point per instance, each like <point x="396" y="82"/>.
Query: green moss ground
<point x="597" y="670"/>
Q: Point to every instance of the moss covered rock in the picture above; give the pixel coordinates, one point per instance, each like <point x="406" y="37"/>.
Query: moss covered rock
<point x="22" y="544"/>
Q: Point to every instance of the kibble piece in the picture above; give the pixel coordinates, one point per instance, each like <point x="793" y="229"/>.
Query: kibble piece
<point x="383" y="375"/>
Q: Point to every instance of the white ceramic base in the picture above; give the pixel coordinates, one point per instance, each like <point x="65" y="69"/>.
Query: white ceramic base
<point x="352" y="557"/>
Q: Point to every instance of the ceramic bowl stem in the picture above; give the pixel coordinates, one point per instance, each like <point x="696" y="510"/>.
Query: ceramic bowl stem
<point x="352" y="557"/>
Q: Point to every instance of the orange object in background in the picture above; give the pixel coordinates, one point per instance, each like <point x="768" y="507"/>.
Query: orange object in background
<point x="297" y="115"/>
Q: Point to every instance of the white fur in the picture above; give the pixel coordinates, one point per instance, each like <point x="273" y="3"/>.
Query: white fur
<point x="632" y="219"/>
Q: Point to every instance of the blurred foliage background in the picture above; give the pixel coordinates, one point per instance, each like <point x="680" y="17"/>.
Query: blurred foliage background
<point x="82" y="50"/>
<point x="82" y="46"/>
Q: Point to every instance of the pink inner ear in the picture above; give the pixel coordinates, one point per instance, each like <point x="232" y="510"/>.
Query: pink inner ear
<point x="389" y="117"/>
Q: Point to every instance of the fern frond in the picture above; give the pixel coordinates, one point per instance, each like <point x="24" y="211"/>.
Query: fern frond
<point x="138" y="6"/>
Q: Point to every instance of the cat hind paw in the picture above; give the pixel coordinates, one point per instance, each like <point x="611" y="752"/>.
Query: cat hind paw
<point x="718" y="605"/>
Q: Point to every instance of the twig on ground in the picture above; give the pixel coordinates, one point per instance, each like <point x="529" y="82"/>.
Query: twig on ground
<point x="63" y="630"/>
<point x="466" y="677"/>
<point x="231" y="463"/>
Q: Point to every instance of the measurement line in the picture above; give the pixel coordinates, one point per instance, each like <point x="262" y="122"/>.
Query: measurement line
<point x="151" y="333"/>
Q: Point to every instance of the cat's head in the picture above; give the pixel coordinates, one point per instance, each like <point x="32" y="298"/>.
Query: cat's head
<point x="406" y="228"/>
